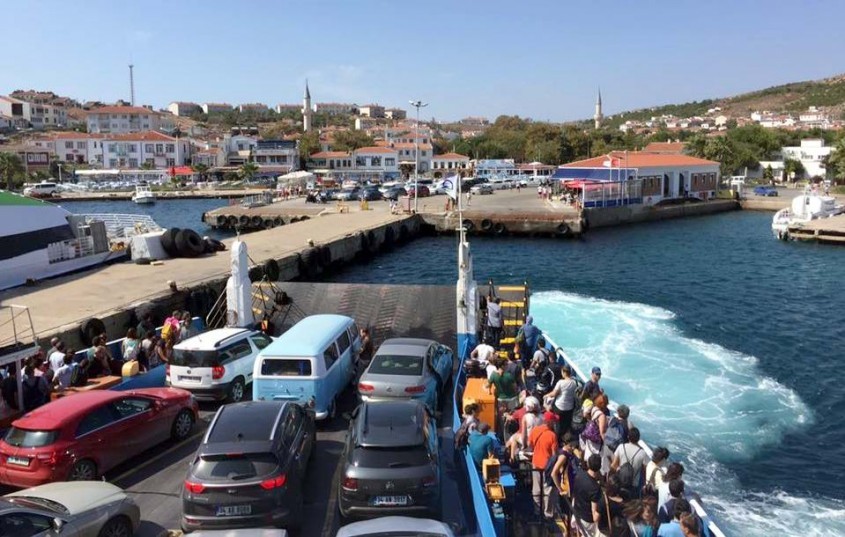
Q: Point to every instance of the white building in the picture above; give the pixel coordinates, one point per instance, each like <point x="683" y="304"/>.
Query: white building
<point x="78" y="147"/>
<point x="216" y="108"/>
<point x="238" y="148"/>
<point x="407" y="155"/>
<point x="257" y="108"/>
<point x="395" y="113"/>
<point x="178" y="108"/>
<point x="810" y="153"/>
<point x="379" y="161"/>
<point x="449" y="163"/>
<point x="281" y="154"/>
<point x="133" y="150"/>
<point x="282" y="108"/>
<point x="335" y="109"/>
<point x="372" y="110"/>
<point x="122" y="120"/>
<point x="38" y="116"/>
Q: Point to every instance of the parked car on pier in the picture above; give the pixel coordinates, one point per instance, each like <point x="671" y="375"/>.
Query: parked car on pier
<point x="765" y="190"/>
<point x="394" y="193"/>
<point x="250" y="468"/>
<point x="424" y="192"/>
<point x="391" y="462"/>
<point x="82" y="436"/>
<point x="408" y="368"/>
<point x="78" y="509"/>
<point x="348" y="194"/>
<point x="481" y="189"/>
<point x="370" y="193"/>
<point x="43" y="189"/>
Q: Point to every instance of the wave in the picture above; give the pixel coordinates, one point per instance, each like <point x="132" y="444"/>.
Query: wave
<point x="710" y="405"/>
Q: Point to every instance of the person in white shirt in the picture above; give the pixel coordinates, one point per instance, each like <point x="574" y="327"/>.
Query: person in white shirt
<point x="57" y="357"/>
<point x="64" y="374"/>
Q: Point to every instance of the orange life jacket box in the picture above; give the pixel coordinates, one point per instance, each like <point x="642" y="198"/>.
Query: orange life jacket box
<point x="475" y="392"/>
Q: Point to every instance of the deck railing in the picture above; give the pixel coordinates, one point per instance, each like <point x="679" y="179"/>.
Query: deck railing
<point x="118" y="224"/>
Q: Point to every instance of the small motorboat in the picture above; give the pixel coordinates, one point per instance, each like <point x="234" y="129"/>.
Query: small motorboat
<point x="804" y="208"/>
<point x="143" y="195"/>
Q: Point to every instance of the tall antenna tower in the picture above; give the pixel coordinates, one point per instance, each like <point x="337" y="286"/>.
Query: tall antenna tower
<point x="131" y="85"/>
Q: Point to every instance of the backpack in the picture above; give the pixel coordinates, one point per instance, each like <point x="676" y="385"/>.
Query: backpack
<point x="591" y="432"/>
<point x="131" y="352"/>
<point x="564" y="481"/>
<point x="626" y="472"/>
<point x="167" y="331"/>
<point x="649" y="489"/>
<point x="615" y="434"/>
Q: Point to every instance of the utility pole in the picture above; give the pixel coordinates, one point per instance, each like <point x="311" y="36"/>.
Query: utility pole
<point x="417" y="105"/>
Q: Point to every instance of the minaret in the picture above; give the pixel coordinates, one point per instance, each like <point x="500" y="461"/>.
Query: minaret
<point x="306" y="109"/>
<point x="598" y="116"/>
<point x="131" y="85"/>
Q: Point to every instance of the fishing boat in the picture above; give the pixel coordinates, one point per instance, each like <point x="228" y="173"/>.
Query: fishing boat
<point x="505" y="507"/>
<point x="143" y="195"/>
<point x="805" y="208"/>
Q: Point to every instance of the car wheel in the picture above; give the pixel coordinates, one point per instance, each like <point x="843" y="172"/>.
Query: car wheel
<point x="236" y="391"/>
<point x="182" y="425"/>
<point x="84" y="470"/>
<point x="117" y="527"/>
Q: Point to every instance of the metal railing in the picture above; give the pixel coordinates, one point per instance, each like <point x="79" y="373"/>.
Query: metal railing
<point x="117" y="224"/>
<point x="70" y="249"/>
<point x="16" y="331"/>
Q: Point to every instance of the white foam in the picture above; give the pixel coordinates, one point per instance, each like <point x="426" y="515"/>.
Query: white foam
<point x="708" y="404"/>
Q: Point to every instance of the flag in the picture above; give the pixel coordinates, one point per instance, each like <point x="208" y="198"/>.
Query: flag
<point x="450" y="186"/>
<point x="612" y="162"/>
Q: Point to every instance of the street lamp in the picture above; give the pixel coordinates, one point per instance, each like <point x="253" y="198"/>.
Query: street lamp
<point x="60" y="172"/>
<point x="417" y="105"/>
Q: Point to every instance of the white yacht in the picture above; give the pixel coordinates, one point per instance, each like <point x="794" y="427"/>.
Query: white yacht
<point x="804" y="208"/>
<point x="143" y="195"/>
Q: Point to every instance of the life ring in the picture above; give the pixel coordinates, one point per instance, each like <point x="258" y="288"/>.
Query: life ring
<point x="243" y="220"/>
<point x="168" y="241"/>
<point x="189" y="243"/>
<point x="468" y="225"/>
<point x="563" y="229"/>
<point x="221" y="220"/>
<point x="499" y="228"/>
<point x="486" y="224"/>
<point x="232" y="220"/>
<point x="271" y="270"/>
<point x="90" y="329"/>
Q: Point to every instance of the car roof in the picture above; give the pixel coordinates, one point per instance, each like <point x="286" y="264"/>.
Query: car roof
<point x="54" y="414"/>
<point x="405" y="346"/>
<point x="308" y="337"/>
<point x="246" y="422"/>
<point x="211" y="339"/>
<point x="386" y="525"/>
<point x="390" y="424"/>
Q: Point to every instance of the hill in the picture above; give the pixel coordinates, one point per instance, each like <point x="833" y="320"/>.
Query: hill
<point x="793" y="97"/>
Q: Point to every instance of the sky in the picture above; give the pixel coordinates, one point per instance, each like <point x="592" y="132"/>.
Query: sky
<point x="543" y="59"/>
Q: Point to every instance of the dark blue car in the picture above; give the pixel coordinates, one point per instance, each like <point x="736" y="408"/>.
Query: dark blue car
<point x="764" y="190"/>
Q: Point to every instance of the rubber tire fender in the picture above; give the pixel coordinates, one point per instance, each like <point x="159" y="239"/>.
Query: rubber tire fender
<point x="271" y="270"/>
<point x="268" y="223"/>
<point x="278" y="221"/>
<point x="304" y="217"/>
<point x="404" y="235"/>
<point x="294" y="219"/>
<point x="90" y="329"/>
<point x="486" y="224"/>
<point x="563" y="229"/>
<point x="468" y="225"/>
<point x="499" y="229"/>
<point x="189" y="243"/>
<point x="389" y="237"/>
<point x="232" y="221"/>
<point x="168" y="241"/>
<point x="221" y="220"/>
<point x="363" y="242"/>
<point x="371" y="239"/>
<point x="243" y="220"/>
<point x="255" y="221"/>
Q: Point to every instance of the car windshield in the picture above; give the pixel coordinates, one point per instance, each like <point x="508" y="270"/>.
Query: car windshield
<point x="388" y="364"/>
<point x="193" y="358"/>
<point x="29" y="438"/>
<point x="34" y="502"/>
<point x="235" y="467"/>
<point x="390" y="457"/>
<point x="286" y="367"/>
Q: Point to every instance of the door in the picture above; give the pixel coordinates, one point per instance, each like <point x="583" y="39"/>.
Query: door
<point x="140" y="424"/>
<point x="95" y="439"/>
<point x="335" y="378"/>
<point x="25" y="523"/>
<point x="259" y="342"/>
<point x="237" y="359"/>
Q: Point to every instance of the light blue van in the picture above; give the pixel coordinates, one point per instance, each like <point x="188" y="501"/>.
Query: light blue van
<point x="310" y="364"/>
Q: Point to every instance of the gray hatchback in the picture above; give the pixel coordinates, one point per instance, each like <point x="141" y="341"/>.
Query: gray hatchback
<point x="391" y="462"/>
<point x="250" y="468"/>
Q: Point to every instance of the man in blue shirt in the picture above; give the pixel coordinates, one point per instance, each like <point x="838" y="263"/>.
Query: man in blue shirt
<point x="527" y="339"/>
<point x="480" y="444"/>
<point x="673" y="528"/>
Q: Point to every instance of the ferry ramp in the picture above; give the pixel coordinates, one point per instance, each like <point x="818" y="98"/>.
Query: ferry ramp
<point x="155" y="479"/>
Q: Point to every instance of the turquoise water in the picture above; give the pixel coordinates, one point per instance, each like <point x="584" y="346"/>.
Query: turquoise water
<point x="725" y="343"/>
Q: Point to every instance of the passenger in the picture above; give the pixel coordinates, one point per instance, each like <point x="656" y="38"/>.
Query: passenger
<point x="542" y="357"/>
<point x="505" y="385"/>
<point x="36" y="392"/>
<point x="656" y="470"/>
<point x="146" y="326"/>
<point x="543" y="444"/>
<point x="563" y="395"/>
<point x="526" y="340"/>
<point x="690" y="523"/>
<point x="586" y="493"/>
<point x="643" y="515"/>
<point x="527" y="417"/>
<point x="64" y="375"/>
<point x="611" y="504"/>
<point x="630" y="454"/>
<point x="170" y="328"/>
<point x="57" y="357"/>
<point x="676" y="492"/>
<point x="673" y="472"/>
<point x="471" y="416"/>
<point x="567" y="464"/>
<point x="513" y="367"/>
<point x="673" y="528"/>
<point x="592" y="389"/>
<point x="164" y="350"/>
<point x="480" y="444"/>
<point x="592" y="437"/>
<point x="494" y="320"/>
<point x="483" y="353"/>
<point x="623" y="414"/>
<point x="366" y="352"/>
<point x="9" y="387"/>
<point x="186" y="329"/>
<point x="130" y="345"/>
<point x="147" y="358"/>
<point x="100" y="365"/>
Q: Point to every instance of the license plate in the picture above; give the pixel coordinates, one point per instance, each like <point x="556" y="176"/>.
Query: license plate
<point x="184" y="378"/>
<point x="18" y="461"/>
<point x="390" y="500"/>
<point x="234" y="510"/>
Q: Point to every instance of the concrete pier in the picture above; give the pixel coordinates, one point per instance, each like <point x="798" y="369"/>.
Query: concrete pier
<point x="825" y="230"/>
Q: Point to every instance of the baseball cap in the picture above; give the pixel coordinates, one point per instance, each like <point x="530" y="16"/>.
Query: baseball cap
<point x="597" y="371"/>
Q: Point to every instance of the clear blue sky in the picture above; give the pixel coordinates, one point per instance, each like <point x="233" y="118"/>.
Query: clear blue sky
<point x="540" y="59"/>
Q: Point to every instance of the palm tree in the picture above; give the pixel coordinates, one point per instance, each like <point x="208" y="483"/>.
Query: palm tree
<point x="201" y="169"/>
<point x="248" y="170"/>
<point x="10" y="166"/>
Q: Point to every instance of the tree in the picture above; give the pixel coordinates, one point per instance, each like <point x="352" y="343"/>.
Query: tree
<point x="309" y="143"/>
<point x="201" y="169"/>
<point x="768" y="173"/>
<point x="248" y="170"/>
<point x="351" y="140"/>
<point x="793" y="169"/>
<point x="11" y="167"/>
<point x="148" y="165"/>
<point x="835" y="162"/>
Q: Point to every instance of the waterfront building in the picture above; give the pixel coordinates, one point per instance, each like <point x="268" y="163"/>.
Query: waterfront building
<point x="6" y="122"/>
<point x="375" y="163"/>
<point x="216" y="108"/>
<point x="489" y="168"/>
<point x="34" y="159"/>
<point x="449" y="163"/>
<point x="281" y="154"/>
<point x="597" y="117"/>
<point x="122" y="120"/>
<point x="372" y="110"/>
<point x="35" y="115"/>
<point x="811" y="154"/>
<point x="180" y="108"/>
<point x="210" y="157"/>
<point x="150" y="148"/>
<point x="306" y="109"/>
<point x="336" y="109"/>
<point x="238" y="148"/>
<point x="78" y="147"/>
<point x="407" y="154"/>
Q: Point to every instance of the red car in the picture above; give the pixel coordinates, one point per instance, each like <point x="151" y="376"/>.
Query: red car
<point x="424" y="191"/>
<point x="82" y="436"/>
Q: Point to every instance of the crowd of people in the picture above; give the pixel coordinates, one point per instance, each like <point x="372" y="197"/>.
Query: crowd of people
<point x="58" y="368"/>
<point x="586" y="463"/>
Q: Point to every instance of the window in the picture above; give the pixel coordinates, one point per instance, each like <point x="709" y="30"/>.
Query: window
<point x="171" y="162"/>
<point x="343" y="342"/>
<point x="149" y="148"/>
<point x="171" y="148"/>
<point x="330" y="355"/>
<point x="286" y="367"/>
<point x="112" y="148"/>
<point x="112" y="163"/>
<point x="390" y="162"/>
<point x="68" y="145"/>
<point x="29" y="438"/>
<point x="68" y="157"/>
<point x="131" y="405"/>
<point x="159" y="148"/>
<point x="97" y="419"/>
<point x="290" y="426"/>
<point x="80" y="145"/>
<point x="23" y="524"/>
<point x="233" y="352"/>
<point x="133" y="148"/>
<point x="150" y="161"/>
<point x="133" y="163"/>
<point x="236" y="466"/>
<point x="260" y="341"/>
<point x="396" y="365"/>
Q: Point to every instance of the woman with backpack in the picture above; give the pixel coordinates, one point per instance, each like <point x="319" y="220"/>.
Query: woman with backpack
<point x="655" y="471"/>
<point x="130" y="346"/>
<point x="612" y="521"/>
<point x="592" y="437"/>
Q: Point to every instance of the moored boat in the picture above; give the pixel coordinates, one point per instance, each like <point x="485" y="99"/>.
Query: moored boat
<point x="143" y="195"/>
<point x="805" y="208"/>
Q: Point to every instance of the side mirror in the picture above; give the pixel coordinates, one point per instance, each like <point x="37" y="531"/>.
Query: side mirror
<point x="58" y="523"/>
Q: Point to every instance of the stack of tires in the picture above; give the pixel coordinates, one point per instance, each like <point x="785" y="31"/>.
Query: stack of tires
<point x="187" y="243"/>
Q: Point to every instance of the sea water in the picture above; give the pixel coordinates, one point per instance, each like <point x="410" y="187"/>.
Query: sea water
<point x="725" y="343"/>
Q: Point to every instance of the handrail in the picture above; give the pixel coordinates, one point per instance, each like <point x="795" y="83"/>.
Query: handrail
<point x="116" y="224"/>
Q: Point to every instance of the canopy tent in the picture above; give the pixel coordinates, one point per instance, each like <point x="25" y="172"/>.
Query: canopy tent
<point x="297" y="176"/>
<point x="594" y="174"/>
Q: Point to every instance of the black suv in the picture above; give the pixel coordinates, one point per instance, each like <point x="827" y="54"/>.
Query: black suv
<point x="249" y="468"/>
<point x="391" y="462"/>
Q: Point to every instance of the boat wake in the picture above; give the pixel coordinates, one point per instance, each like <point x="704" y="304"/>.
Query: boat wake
<point x="711" y="406"/>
